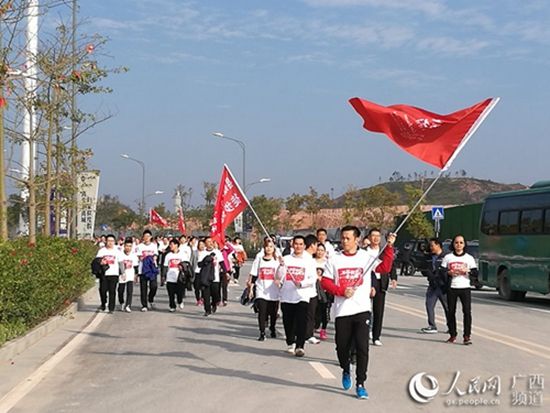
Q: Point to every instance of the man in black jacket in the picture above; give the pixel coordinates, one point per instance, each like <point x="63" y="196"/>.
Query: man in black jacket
<point x="437" y="288"/>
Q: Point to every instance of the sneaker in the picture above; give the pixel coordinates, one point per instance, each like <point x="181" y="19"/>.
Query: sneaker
<point x="361" y="392"/>
<point x="299" y="352"/>
<point x="181" y="305"/>
<point x="122" y="307"/>
<point x="172" y="310"/>
<point x="110" y="312"/>
<point x="225" y="304"/>
<point x="206" y="314"/>
<point x="152" y="306"/>
<point x="429" y="330"/>
<point x="101" y="309"/>
<point x="313" y="340"/>
<point x="346" y="380"/>
<point x="377" y="343"/>
<point x="467" y="341"/>
<point x="214" y="308"/>
<point x="262" y="337"/>
<point x="451" y="340"/>
<point x="290" y="349"/>
<point x="198" y="303"/>
<point x="144" y="309"/>
<point x="273" y="334"/>
<point x="323" y="334"/>
<point x="128" y="309"/>
<point x="201" y="300"/>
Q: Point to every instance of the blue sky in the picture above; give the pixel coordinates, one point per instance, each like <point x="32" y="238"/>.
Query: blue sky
<point x="278" y="74"/>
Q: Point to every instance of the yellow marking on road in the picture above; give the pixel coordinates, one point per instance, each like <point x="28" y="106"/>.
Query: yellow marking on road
<point x="322" y="370"/>
<point x="483" y="332"/>
<point x="22" y="389"/>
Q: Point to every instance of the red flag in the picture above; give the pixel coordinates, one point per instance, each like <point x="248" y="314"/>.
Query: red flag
<point x="428" y="136"/>
<point x="155" y="218"/>
<point x="229" y="203"/>
<point x="181" y="221"/>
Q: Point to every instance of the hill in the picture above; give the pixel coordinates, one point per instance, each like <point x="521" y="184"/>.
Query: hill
<point x="447" y="191"/>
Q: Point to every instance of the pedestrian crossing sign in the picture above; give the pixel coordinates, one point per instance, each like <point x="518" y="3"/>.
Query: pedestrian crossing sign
<point x="437" y="213"/>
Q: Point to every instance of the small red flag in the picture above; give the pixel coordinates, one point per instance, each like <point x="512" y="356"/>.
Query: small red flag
<point x="155" y="218"/>
<point x="428" y="136"/>
<point x="181" y="221"/>
<point x="229" y="203"/>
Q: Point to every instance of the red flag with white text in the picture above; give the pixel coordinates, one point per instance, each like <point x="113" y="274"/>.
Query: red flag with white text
<point x="181" y="221"/>
<point x="155" y="218"/>
<point x="430" y="137"/>
<point x="229" y="203"/>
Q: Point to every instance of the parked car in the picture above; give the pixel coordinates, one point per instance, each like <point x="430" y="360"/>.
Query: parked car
<point x="414" y="255"/>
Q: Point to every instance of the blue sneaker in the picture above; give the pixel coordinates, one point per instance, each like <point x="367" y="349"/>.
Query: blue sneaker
<point x="346" y="380"/>
<point x="361" y="392"/>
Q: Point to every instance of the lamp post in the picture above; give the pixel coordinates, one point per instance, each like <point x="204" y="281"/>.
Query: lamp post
<point x="260" y="181"/>
<point x="142" y="164"/>
<point x="243" y="147"/>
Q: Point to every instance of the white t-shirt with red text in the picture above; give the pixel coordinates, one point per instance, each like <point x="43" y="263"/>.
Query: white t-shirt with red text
<point x="144" y="250"/>
<point x="110" y="257"/>
<point x="302" y="270"/>
<point x="265" y="270"/>
<point x="351" y="271"/>
<point x="461" y="263"/>
<point x="129" y="262"/>
<point x="172" y="262"/>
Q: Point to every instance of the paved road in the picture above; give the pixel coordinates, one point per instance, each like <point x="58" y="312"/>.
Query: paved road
<point x="166" y="362"/>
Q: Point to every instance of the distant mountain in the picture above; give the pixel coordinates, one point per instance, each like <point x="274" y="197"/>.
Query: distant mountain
<point x="447" y="191"/>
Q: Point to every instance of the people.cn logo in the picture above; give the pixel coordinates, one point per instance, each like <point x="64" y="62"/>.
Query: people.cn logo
<point x="421" y="393"/>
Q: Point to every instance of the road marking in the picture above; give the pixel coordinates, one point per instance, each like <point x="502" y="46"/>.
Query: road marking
<point x="322" y="370"/>
<point x="483" y="332"/>
<point x="22" y="389"/>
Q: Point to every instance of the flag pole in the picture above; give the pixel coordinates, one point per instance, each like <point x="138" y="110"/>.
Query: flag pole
<point x="463" y="143"/>
<point x="247" y="201"/>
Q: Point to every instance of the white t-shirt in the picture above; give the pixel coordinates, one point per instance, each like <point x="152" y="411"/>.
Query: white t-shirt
<point x="185" y="249"/>
<point x="200" y="257"/>
<point x="111" y="257"/>
<point x="145" y="251"/>
<point x="172" y="261"/>
<point x="463" y="263"/>
<point x="350" y="271"/>
<point x="301" y="269"/>
<point x="329" y="248"/>
<point x="129" y="261"/>
<point x="266" y="270"/>
<point x="373" y="252"/>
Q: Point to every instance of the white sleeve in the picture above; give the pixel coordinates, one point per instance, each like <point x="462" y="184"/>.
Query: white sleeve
<point x="255" y="267"/>
<point x="311" y="275"/>
<point x="471" y="262"/>
<point x="445" y="261"/>
<point x="329" y="270"/>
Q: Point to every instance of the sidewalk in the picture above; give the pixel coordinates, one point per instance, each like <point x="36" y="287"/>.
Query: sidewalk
<point x="24" y="355"/>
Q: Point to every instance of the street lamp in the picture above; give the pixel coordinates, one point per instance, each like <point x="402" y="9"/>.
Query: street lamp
<point x="142" y="164"/>
<point x="260" y="181"/>
<point x="152" y="194"/>
<point x="241" y="144"/>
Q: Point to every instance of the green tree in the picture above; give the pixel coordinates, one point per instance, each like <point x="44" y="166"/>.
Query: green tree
<point x="209" y="192"/>
<point x="380" y="206"/>
<point x="418" y="225"/>
<point x="312" y="204"/>
<point x="268" y="210"/>
<point x="113" y="213"/>
<point x="350" y="197"/>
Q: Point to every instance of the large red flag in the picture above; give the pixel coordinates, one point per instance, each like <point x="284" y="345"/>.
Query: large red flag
<point x="229" y="203"/>
<point x="155" y="218"/>
<point x="181" y="221"/>
<point x="428" y="136"/>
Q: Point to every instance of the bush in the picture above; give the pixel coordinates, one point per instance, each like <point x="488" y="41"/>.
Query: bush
<point x="38" y="281"/>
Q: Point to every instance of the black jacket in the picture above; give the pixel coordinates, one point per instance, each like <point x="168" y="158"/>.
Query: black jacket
<point x="437" y="275"/>
<point x="97" y="268"/>
<point x="207" y="270"/>
<point x="384" y="279"/>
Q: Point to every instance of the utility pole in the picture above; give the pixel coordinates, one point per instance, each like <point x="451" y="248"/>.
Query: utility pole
<point x="74" y="209"/>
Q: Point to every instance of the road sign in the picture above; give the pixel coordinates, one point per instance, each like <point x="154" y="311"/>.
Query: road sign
<point x="438" y="213"/>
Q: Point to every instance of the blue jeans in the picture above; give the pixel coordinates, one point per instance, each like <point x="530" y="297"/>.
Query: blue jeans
<point x="432" y="295"/>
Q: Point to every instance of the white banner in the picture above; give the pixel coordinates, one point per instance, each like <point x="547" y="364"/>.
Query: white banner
<point x="88" y="187"/>
<point x="238" y="223"/>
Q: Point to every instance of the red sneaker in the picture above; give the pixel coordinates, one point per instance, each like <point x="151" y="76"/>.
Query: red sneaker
<point x="323" y="334"/>
<point x="451" y="340"/>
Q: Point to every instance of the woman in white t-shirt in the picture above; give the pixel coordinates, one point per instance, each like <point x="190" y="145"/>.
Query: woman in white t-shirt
<point x="262" y="276"/>
<point x="460" y="267"/>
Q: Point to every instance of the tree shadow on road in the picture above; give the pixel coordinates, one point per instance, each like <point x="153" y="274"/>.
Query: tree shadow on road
<point x="258" y="378"/>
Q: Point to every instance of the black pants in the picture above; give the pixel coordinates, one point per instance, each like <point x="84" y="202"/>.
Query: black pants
<point x="108" y="287"/>
<point x="143" y="284"/>
<point x="322" y="315"/>
<point x="175" y="291"/>
<point x="224" y="282"/>
<point x="266" y="309"/>
<point x="465" y="295"/>
<point x="294" y="321"/>
<point x="378" y="303"/>
<point x="129" y="287"/>
<point x="353" y="328"/>
<point x="197" y="286"/>
<point x="310" y="316"/>
<point x="211" y="295"/>
<point x="236" y="271"/>
<point x="432" y="296"/>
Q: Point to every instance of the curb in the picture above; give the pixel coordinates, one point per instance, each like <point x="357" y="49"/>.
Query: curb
<point x="16" y="346"/>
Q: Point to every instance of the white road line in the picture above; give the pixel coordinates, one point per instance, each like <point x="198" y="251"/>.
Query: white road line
<point x="322" y="370"/>
<point x="22" y="389"/>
